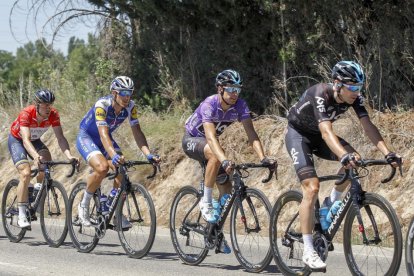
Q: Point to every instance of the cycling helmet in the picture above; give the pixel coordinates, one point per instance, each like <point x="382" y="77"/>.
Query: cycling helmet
<point x="229" y="77"/>
<point x="348" y="71"/>
<point x="122" y="83"/>
<point x="44" y="96"/>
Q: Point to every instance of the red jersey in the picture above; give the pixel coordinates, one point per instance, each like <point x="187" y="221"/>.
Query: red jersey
<point x="28" y="118"/>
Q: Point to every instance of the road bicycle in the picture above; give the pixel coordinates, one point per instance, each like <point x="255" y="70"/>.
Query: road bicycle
<point x="50" y="202"/>
<point x="372" y="239"/>
<point x="193" y="237"/>
<point x="131" y="200"/>
<point x="409" y="249"/>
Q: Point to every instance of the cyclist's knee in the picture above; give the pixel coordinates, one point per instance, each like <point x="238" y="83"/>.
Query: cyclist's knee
<point x="101" y="169"/>
<point x="24" y="170"/>
<point x="310" y="188"/>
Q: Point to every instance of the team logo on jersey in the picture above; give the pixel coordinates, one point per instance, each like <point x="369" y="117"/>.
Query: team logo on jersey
<point x="208" y="111"/>
<point x="134" y="113"/>
<point x="320" y="101"/>
<point x="100" y="114"/>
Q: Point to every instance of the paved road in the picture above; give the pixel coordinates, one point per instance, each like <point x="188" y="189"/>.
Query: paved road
<point x="32" y="256"/>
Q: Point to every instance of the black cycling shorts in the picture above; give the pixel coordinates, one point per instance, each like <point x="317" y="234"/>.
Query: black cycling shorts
<point x="18" y="152"/>
<point x="301" y="148"/>
<point x="194" y="147"/>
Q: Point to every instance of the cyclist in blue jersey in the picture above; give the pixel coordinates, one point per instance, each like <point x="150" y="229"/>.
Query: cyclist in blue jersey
<point x="203" y="127"/>
<point x="310" y="132"/>
<point x="95" y="142"/>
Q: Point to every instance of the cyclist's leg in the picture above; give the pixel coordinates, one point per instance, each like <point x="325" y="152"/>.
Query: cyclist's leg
<point x="300" y="150"/>
<point x="20" y="160"/>
<point x="93" y="155"/>
<point x="198" y="149"/>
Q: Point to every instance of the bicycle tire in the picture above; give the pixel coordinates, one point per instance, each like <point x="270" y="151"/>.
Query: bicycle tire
<point x="138" y="208"/>
<point x="252" y="249"/>
<point x="284" y="220"/>
<point x="389" y="230"/>
<point x="10" y="212"/>
<point x="53" y="214"/>
<point x="87" y="240"/>
<point x="188" y="244"/>
<point x="409" y="263"/>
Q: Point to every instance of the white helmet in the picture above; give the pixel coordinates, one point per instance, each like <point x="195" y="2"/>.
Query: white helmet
<point x="122" y="82"/>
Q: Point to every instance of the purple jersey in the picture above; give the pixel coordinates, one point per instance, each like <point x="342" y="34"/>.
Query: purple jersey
<point x="210" y="111"/>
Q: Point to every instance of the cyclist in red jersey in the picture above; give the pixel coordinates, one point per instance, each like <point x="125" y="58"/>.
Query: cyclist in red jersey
<point x="24" y="140"/>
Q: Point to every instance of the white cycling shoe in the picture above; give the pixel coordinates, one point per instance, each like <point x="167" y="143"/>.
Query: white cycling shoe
<point x="83" y="214"/>
<point x="313" y="260"/>
<point x="207" y="211"/>
<point x="23" y="222"/>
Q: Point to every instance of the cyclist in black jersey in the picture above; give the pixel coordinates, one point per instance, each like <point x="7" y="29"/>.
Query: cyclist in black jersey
<point x="310" y="132"/>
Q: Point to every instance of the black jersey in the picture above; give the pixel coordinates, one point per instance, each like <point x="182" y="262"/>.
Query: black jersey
<point x="316" y="105"/>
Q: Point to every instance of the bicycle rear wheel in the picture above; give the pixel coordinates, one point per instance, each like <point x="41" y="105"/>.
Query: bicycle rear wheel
<point x="10" y="212"/>
<point x="53" y="206"/>
<point x="249" y="230"/>
<point x="137" y="206"/>
<point x="383" y="250"/>
<point x="187" y="227"/>
<point x="286" y="236"/>
<point x="409" y="248"/>
<point x="83" y="238"/>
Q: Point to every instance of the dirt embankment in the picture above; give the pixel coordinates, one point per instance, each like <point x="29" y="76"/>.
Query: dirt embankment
<point x="178" y="170"/>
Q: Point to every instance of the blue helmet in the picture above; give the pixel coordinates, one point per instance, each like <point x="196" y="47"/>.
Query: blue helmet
<point x="229" y="77"/>
<point x="44" y="96"/>
<point x="348" y="71"/>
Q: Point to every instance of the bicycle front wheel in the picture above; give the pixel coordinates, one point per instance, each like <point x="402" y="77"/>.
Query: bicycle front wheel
<point x="83" y="238"/>
<point x="286" y="235"/>
<point x="381" y="250"/>
<point x="249" y="230"/>
<point x="409" y="248"/>
<point x="138" y="208"/>
<point x="187" y="227"/>
<point x="10" y="212"/>
<point x="53" y="206"/>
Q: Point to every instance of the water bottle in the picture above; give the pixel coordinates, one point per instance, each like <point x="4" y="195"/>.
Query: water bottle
<point x="104" y="207"/>
<point x="223" y="200"/>
<point x="332" y="212"/>
<point x="36" y="189"/>
<point x="31" y="188"/>
<point x="323" y="211"/>
<point x="216" y="207"/>
<point x="111" y="197"/>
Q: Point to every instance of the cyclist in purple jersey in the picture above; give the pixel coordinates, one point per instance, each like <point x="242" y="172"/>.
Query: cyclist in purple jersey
<point x="203" y="127"/>
<point x="310" y="132"/>
<point x="96" y="145"/>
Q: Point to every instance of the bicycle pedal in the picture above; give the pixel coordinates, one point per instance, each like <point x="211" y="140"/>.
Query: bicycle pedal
<point x="323" y="270"/>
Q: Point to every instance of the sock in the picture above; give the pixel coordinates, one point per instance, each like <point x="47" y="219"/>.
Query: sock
<point x="208" y="194"/>
<point x="86" y="199"/>
<point x="335" y="195"/>
<point x="308" y="243"/>
<point x="22" y="209"/>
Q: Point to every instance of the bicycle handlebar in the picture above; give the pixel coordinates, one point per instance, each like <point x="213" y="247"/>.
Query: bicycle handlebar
<point x="49" y="164"/>
<point x="129" y="164"/>
<point x="245" y="166"/>
<point x="366" y="163"/>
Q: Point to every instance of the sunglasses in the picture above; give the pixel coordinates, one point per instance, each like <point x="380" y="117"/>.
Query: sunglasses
<point x="231" y="89"/>
<point x="353" y="88"/>
<point x="124" y="93"/>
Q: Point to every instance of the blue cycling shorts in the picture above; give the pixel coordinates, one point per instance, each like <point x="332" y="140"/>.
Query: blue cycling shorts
<point x="18" y="152"/>
<point x="89" y="147"/>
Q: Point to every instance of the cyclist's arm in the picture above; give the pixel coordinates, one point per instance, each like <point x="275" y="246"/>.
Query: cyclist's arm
<point x="210" y="132"/>
<point x="62" y="141"/>
<point x="106" y="140"/>
<point x="331" y="139"/>
<point x="140" y="139"/>
<point x="254" y="140"/>
<point x="374" y="135"/>
<point x="25" y="134"/>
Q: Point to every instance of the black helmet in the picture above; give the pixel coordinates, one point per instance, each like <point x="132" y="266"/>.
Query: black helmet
<point x="229" y="77"/>
<point x="348" y="71"/>
<point x="44" y="96"/>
